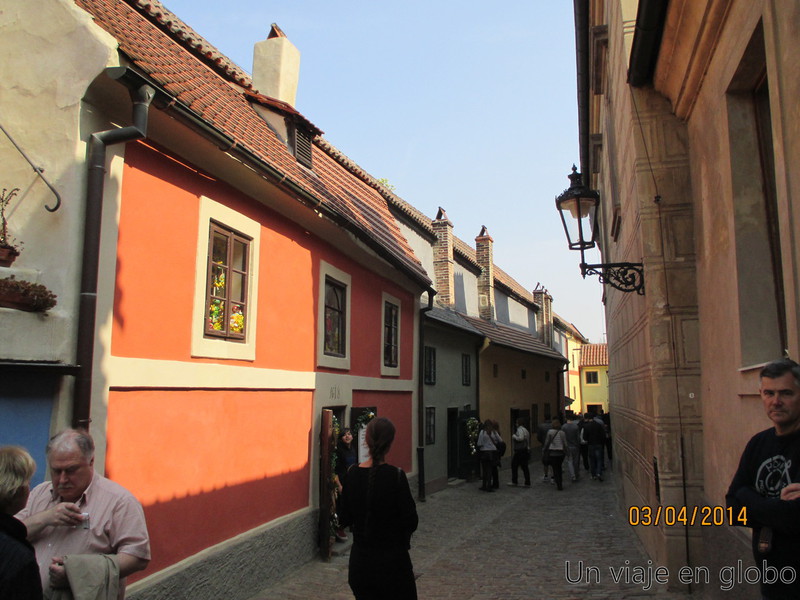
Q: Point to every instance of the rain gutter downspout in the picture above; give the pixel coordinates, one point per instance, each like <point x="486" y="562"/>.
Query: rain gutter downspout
<point x="95" y="184"/>
<point x="582" y="67"/>
<point x="421" y="399"/>
<point x="650" y="18"/>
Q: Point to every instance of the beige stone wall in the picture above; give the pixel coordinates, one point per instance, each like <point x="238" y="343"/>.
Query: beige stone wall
<point x="684" y="358"/>
<point x="498" y="395"/>
<point x="653" y="339"/>
<point x="51" y="53"/>
<point x="732" y="411"/>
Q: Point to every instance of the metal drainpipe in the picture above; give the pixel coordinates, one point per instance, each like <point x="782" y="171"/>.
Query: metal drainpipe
<point x="560" y="396"/>
<point x="421" y="400"/>
<point x="87" y="310"/>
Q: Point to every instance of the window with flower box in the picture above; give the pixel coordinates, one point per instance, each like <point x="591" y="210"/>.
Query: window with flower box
<point x="226" y="283"/>
<point x="226" y="290"/>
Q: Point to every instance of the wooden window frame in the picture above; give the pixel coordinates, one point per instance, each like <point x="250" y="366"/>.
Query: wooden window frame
<point x="429" y="371"/>
<point x="466" y="369"/>
<point x="228" y="270"/>
<point x="430" y="425"/>
<point x="596" y="377"/>
<point x="340" y="290"/>
<point x="209" y="346"/>
<point x="391" y="335"/>
<point x="339" y="360"/>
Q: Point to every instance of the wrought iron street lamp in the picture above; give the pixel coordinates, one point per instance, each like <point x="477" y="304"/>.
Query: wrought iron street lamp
<point x="578" y="206"/>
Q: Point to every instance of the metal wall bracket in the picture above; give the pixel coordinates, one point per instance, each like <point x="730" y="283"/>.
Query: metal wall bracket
<point x="625" y="277"/>
<point x="38" y="170"/>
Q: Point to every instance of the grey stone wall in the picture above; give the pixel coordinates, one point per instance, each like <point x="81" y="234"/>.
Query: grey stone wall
<point x="239" y="569"/>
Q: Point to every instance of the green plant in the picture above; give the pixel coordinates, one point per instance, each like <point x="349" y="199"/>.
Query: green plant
<point x="6" y="240"/>
<point x="363" y="419"/>
<point x="34" y="296"/>
<point x="473" y="429"/>
<point x="385" y="183"/>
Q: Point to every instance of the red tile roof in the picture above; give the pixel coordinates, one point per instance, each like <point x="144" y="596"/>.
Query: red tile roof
<point x="594" y="355"/>
<point x="199" y="77"/>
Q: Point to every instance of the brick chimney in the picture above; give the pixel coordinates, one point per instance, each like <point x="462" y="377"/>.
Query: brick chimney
<point x="485" y="256"/>
<point x="544" y="317"/>
<point x="276" y="67"/>
<point x="443" y="259"/>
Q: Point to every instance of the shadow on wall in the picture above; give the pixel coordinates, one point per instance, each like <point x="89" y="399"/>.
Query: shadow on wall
<point x="183" y="527"/>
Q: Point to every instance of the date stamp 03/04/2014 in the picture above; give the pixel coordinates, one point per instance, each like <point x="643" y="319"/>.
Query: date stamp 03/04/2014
<point x="704" y="516"/>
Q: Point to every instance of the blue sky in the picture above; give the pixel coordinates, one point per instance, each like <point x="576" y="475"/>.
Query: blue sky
<point x="466" y="105"/>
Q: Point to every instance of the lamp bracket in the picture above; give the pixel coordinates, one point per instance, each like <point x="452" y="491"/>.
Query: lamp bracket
<point x="625" y="277"/>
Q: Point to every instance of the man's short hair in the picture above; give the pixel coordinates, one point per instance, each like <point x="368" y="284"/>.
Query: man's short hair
<point x="68" y="438"/>
<point x="16" y="469"/>
<point x="779" y="368"/>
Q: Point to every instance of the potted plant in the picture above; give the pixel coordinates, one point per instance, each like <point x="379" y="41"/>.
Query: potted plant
<point x="25" y="295"/>
<point x="8" y="249"/>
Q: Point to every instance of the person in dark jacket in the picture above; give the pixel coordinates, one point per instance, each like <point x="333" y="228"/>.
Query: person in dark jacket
<point x="346" y="457"/>
<point x="19" y="571"/>
<point x="595" y="436"/>
<point x="377" y="502"/>
<point x="765" y="491"/>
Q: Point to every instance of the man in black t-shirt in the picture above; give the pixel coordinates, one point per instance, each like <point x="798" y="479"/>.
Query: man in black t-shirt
<point x="766" y="487"/>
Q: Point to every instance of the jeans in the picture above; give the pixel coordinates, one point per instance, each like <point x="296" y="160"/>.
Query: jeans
<point x="574" y="461"/>
<point x="520" y="460"/>
<point x="585" y="455"/>
<point x="556" y="461"/>
<point x="596" y="459"/>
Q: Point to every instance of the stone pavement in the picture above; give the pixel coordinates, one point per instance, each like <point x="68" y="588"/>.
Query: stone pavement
<point x="513" y="544"/>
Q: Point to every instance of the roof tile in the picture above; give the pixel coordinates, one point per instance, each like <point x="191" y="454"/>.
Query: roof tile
<point x="186" y="66"/>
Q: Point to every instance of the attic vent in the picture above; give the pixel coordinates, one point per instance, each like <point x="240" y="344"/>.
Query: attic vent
<point x="302" y="147"/>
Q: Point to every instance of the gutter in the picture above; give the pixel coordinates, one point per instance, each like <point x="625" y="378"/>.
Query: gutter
<point x="582" y="67"/>
<point x="650" y="19"/>
<point x="142" y="97"/>
<point x="421" y="401"/>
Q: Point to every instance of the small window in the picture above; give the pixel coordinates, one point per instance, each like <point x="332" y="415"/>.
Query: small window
<point x="495" y="370"/>
<point x="547" y="413"/>
<point x="466" y="369"/>
<point x="430" y="425"/>
<point x="430" y="365"/>
<point x="335" y="317"/>
<point x="524" y="374"/>
<point x="227" y="283"/>
<point x="547" y="376"/>
<point x="592" y="378"/>
<point x="390" y="339"/>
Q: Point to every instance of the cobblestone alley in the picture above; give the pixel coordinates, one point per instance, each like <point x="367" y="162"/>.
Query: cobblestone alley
<point x="511" y="545"/>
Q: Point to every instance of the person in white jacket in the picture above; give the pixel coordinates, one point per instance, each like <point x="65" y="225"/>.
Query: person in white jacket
<point x="555" y="448"/>
<point x="521" y="439"/>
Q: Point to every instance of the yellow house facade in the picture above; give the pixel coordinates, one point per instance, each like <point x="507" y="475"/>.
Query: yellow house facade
<point x="594" y="378"/>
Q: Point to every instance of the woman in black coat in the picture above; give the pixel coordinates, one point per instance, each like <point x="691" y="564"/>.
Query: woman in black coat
<point x="377" y="502"/>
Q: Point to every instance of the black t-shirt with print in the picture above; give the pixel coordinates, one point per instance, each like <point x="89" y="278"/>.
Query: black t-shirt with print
<point x="769" y="463"/>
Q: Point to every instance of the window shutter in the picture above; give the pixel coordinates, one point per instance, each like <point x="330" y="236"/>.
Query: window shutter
<point x="302" y="147"/>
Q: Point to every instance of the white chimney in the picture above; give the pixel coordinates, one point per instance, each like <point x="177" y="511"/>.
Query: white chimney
<point x="276" y="67"/>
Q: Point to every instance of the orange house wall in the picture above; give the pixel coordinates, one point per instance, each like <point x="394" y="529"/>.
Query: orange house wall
<point x="209" y="464"/>
<point x="189" y="455"/>
<point x="156" y="275"/>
